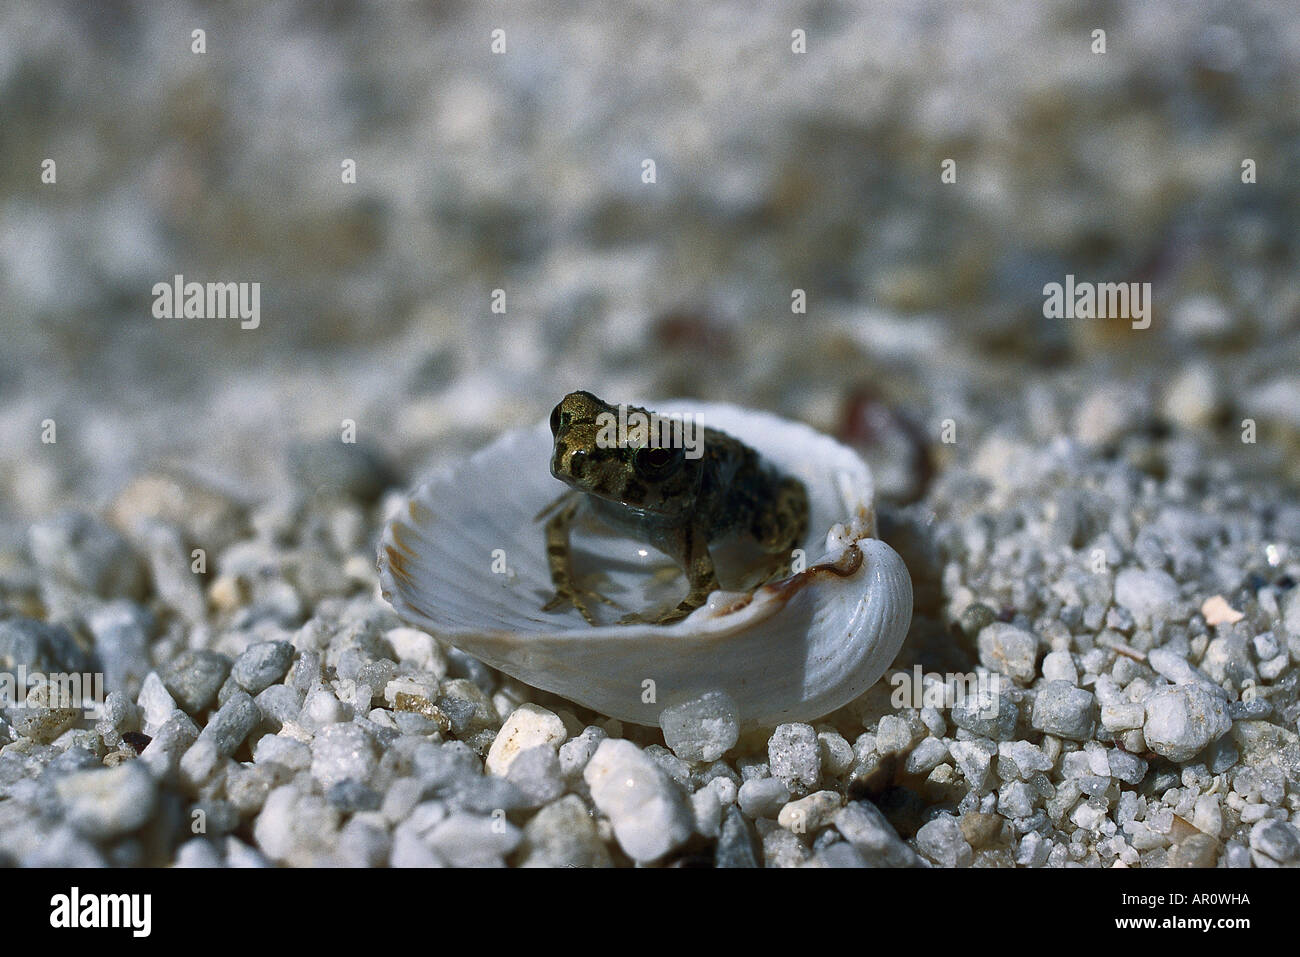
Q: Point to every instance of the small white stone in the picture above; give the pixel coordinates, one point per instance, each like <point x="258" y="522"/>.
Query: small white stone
<point x="156" y="702"/>
<point x="1182" y="720"/>
<point x="1146" y="593"/>
<point x="1009" y="650"/>
<point x="649" y="813"/>
<point x="808" y="814"/>
<point x="836" y="753"/>
<point x="528" y="726"/>
<point x="702" y="729"/>
<point x="1059" y="666"/>
<point x="105" y="802"/>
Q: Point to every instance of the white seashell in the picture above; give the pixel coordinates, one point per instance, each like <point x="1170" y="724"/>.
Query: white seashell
<point x="790" y="651"/>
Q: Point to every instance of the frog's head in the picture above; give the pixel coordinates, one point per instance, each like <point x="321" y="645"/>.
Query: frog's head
<point x="590" y="456"/>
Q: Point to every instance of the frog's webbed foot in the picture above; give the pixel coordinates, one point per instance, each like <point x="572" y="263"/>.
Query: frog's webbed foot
<point x="580" y="598"/>
<point x="670" y="617"/>
<point x="699" y="573"/>
<point x="567" y="590"/>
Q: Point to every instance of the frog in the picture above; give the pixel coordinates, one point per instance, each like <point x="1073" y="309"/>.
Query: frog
<point x="676" y="499"/>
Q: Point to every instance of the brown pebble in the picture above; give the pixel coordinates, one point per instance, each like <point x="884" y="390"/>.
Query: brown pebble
<point x="980" y="829"/>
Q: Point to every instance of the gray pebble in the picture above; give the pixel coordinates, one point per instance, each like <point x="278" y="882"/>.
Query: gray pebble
<point x="122" y="630"/>
<point x="80" y="551"/>
<point x="1065" y="711"/>
<point x="262" y="665"/>
<point x="536" y="773"/>
<point x="736" y="846"/>
<point x="193" y="678"/>
<point x="1277" y="840"/>
<point x="865" y="827"/>
<point x="563" y="834"/>
<point x="987" y="714"/>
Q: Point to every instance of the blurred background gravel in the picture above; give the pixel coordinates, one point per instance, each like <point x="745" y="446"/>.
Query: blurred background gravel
<point x="522" y="171"/>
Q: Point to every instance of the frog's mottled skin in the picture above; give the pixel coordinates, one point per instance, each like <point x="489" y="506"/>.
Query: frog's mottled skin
<point x="674" y="503"/>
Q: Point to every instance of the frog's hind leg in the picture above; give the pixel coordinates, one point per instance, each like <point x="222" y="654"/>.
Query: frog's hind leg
<point x="560" y="560"/>
<point x="693" y="547"/>
<point x="780" y="529"/>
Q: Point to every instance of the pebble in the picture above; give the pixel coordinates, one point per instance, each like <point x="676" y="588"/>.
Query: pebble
<point x="122" y="630"/>
<point x="866" y="828"/>
<point x="576" y="752"/>
<point x="1009" y="650"/>
<point x="893" y="735"/>
<point x="926" y="756"/>
<point x="563" y="834"/>
<point x="1182" y="720"/>
<point x="342" y="752"/>
<point x="1176" y="668"/>
<point x="193" y="679"/>
<point x="702" y="729"/>
<point x="1065" y="711"/>
<point x="1146" y="593"/>
<point x="527" y="726"/>
<point x="975" y="759"/>
<point x="707" y="808"/>
<point x="763" y="797"/>
<point x="987" y="713"/>
<point x="1059" y="666"/>
<point x="296" y="829"/>
<point x="108" y="802"/>
<point x="173" y="739"/>
<point x="1196" y="850"/>
<point x="155" y="702"/>
<point x="224" y="732"/>
<point x="1019" y="760"/>
<point x="1277" y="842"/>
<point x="536" y="773"/>
<point x="1127" y="767"/>
<point x="474" y="840"/>
<point x="363" y="844"/>
<point x="942" y="841"/>
<point x="794" y="756"/>
<point x="836" y="753"/>
<point x="980" y="829"/>
<point x="262" y="665"/>
<point x="811" y="813"/>
<point x="649" y="813"/>
<point x="81" y="552"/>
<point x="736" y="846"/>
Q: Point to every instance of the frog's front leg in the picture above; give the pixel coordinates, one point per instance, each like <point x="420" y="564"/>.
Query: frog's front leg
<point x="690" y="546"/>
<point x="560" y="561"/>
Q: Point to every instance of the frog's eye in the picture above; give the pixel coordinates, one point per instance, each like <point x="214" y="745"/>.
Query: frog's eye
<point x="555" y="419"/>
<point x="657" y="463"/>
